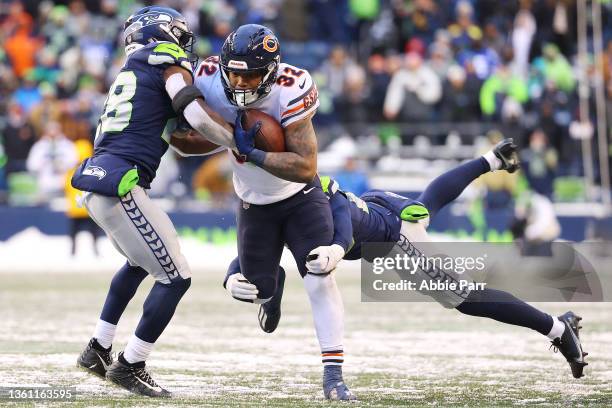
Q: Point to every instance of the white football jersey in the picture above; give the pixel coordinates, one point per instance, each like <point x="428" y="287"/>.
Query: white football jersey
<point x="293" y="97"/>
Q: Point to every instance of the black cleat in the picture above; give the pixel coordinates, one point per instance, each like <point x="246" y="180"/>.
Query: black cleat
<point x="270" y="312"/>
<point x="95" y="358"/>
<point x="569" y="344"/>
<point x="135" y="378"/>
<point x="506" y="152"/>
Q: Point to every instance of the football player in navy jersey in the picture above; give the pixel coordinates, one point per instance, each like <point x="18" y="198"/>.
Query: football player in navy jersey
<point x="151" y="94"/>
<point x="379" y="216"/>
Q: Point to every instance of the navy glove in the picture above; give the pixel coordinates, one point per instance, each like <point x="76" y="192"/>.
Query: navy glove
<point x="245" y="141"/>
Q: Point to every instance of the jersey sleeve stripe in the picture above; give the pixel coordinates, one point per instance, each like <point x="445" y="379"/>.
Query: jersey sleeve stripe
<point x="290" y="111"/>
<point x="302" y="96"/>
<point x="302" y="112"/>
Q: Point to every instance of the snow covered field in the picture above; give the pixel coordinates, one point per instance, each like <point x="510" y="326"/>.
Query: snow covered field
<point x="214" y="354"/>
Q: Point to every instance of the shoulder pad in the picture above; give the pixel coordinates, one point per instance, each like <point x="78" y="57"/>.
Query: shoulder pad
<point x="167" y="53"/>
<point x="299" y="96"/>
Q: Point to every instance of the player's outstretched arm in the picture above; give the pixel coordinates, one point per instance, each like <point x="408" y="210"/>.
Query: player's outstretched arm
<point x="299" y="162"/>
<point x="324" y="259"/>
<point x="188" y="101"/>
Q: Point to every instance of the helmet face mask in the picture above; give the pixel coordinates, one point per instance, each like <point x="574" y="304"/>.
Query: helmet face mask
<point x="152" y="24"/>
<point x="251" y="49"/>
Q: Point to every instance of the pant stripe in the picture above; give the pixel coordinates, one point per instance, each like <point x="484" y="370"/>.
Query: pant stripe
<point x="146" y="230"/>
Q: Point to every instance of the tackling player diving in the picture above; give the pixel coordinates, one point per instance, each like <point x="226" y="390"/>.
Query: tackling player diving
<point x="378" y="216"/>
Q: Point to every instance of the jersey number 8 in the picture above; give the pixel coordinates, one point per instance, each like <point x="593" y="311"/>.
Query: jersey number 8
<point x="118" y="106"/>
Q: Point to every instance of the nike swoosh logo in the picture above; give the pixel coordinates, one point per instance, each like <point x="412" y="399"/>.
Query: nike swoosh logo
<point x="103" y="363"/>
<point x="158" y="388"/>
<point x="308" y="191"/>
<point x="302" y="84"/>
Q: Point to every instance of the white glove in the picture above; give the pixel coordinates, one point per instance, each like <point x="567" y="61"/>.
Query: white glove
<point x="327" y="257"/>
<point x="240" y="288"/>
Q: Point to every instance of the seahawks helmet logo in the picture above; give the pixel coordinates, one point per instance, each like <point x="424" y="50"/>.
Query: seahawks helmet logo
<point x="147" y="20"/>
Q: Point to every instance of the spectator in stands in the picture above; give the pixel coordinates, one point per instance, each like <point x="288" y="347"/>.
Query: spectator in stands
<point x="28" y="94"/>
<point x="3" y="183"/>
<point x="412" y="91"/>
<point x="539" y="163"/>
<point x="21" y="46"/>
<point x="523" y="33"/>
<point x="440" y="59"/>
<point x="463" y="30"/>
<point x="482" y="58"/>
<point x="47" y="110"/>
<point x="49" y="160"/>
<point x="535" y="225"/>
<point x="492" y="38"/>
<point x="351" y="178"/>
<point x="378" y="81"/>
<point x="19" y="137"/>
<point x="351" y="107"/>
<point x="553" y="67"/>
<point x="503" y="90"/>
<point x="78" y="217"/>
<point x="336" y="70"/>
<point x="460" y="97"/>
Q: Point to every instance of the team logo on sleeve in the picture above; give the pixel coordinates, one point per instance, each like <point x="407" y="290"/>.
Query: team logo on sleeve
<point x="270" y="44"/>
<point x="95" y="171"/>
<point x="311" y="97"/>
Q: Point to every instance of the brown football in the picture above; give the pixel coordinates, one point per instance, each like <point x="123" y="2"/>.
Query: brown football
<point x="271" y="136"/>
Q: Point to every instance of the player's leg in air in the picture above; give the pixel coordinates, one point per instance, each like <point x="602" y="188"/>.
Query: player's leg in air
<point x="563" y="331"/>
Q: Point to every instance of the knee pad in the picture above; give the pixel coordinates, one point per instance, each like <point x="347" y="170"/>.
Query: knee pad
<point x="180" y="286"/>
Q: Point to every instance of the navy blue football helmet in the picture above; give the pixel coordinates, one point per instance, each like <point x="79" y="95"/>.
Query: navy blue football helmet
<point x="151" y="24"/>
<point x="252" y="48"/>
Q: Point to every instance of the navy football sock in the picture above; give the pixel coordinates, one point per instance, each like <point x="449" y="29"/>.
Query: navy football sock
<point x="448" y="186"/>
<point x="159" y="308"/>
<point x="503" y="307"/>
<point x="121" y="291"/>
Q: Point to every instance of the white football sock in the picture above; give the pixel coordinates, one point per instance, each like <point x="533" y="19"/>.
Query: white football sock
<point x="104" y="333"/>
<point x="494" y="162"/>
<point x="557" y="329"/>
<point x="137" y="350"/>
<point x="327" y="310"/>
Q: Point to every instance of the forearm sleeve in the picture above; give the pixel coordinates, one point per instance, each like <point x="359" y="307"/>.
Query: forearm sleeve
<point x="343" y="228"/>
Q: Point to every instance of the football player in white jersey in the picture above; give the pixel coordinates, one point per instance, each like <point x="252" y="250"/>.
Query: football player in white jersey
<point x="282" y="202"/>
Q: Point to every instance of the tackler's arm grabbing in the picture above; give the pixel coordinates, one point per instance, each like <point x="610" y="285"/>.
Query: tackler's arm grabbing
<point x="188" y="102"/>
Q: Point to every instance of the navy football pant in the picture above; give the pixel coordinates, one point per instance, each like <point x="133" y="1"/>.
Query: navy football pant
<point x="448" y="186"/>
<point x="302" y="221"/>
<point x="490" y="303"/>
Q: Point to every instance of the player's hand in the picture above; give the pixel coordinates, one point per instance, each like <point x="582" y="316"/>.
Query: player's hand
<point x="324" y="259"/>
<point x="240" y="288"/>
<point x="245" y="139"/>
<point x="183" y="128"/>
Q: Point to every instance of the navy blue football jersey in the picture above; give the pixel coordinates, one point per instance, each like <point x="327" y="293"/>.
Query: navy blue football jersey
<point x="138" y="117"/>
<point x="376" y="216"/>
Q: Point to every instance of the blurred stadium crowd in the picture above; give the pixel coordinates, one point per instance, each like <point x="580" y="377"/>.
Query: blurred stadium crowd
<point x="405" y="79"/>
